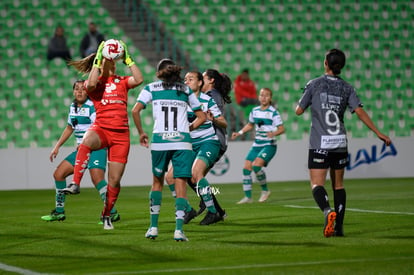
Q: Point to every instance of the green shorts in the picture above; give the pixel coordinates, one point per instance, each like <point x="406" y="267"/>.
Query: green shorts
<point x="182" y="162"/>
<point x="97" y="159"/>
<point x="266" y="153"/>
<point x="207" y="151"/>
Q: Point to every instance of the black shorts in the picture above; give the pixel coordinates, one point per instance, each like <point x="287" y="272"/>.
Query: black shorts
<point x="323" y="159"/>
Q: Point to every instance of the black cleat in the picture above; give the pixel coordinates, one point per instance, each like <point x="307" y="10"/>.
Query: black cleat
<point x="211" y="218"/>
<point x="189" y="216"/>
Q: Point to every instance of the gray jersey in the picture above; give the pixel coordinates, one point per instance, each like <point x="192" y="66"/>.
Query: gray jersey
<point x="220" y="132"/>
<point x="328" y="97"/>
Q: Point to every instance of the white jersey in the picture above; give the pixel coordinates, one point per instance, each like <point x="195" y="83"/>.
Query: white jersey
<point x="169" y="110"/>
<point x="81" y="118"/>
<point x="206" y="131"/>
<point x="266" y="121"/>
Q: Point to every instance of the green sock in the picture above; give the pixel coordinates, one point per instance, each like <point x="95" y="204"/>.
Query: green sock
<point x="102" y="187"/>
<point x="204" y="191"/>
<point x="247" y="183"/>
<point x="60" y="196"/>
<point x="172" y="189"/>
<point x="180" y="205"/>
<point x="188" y="206"/>
<point x="155" y="207"/>
<point x="261" y="177"/>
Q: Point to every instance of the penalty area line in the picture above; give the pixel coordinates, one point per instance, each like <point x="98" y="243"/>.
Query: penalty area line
<point x="355" y="210"/>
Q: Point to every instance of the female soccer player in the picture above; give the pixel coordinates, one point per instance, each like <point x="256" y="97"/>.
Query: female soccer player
<point x="328" y="97"/>
<point x="269" y="124"/>
<point x="206" y="148"/>
<point x="109" y="93"/>
<point x="171" y="140"/>
<point x="81" y="116"/>
<point x="217" y="86"/>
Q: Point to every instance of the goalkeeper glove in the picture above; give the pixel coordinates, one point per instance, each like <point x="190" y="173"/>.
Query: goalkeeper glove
<point x="98" y="58"/>
<point x="127" y="58"/>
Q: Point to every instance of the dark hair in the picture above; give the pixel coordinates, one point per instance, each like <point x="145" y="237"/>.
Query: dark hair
<point x="168" y="71"/>
<point x="336" y="60"/>
<point x="199" y="77"/>
<point x="73" y="88"/>
<point x="222" y="83"/>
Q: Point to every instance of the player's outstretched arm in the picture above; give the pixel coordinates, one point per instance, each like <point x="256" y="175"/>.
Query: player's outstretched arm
<point x="364" y="117"/>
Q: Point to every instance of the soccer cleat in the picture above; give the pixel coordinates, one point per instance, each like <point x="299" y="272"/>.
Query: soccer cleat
<point x="72" y="189"/>
<point x="245" y="200"/>
<point x="264" y="196"/>
<point x="179" y="236"/>
<point x="328" y="230"/>
<point x="189" y="216"/>
<point x="211" y="218"/>
<point x="115" y="217"/>
<point x="339" y="232"/>
<point x="107" y="224"/>
<point x="223" y="215"/>
<point x="152" y="233"/>
<point x="54" y="216"/>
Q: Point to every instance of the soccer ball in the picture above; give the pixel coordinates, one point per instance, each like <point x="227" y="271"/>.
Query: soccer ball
<point x="113" y="50"/>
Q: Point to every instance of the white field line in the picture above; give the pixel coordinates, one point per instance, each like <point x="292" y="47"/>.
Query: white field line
<point x="18" y="270"/>
<point x="356" y="210"/>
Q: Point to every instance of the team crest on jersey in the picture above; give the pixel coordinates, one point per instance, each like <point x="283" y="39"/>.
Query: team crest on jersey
<point x="110" y="87"/>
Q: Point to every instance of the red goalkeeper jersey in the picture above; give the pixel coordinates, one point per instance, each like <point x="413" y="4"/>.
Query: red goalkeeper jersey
<point x="110" y="99"/>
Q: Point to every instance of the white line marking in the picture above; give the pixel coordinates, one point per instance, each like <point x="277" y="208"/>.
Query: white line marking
<point x="18" y="270"/>
<point x="356" y="210"/>
<point x="260" y="266"/>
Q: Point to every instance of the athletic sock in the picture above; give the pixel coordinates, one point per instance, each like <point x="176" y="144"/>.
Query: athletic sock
<point x="340" y="204"/>
<point x="81" y="164"/>
<point x="217" y="205"/>
<point x="188" y="207"/>
<point x="180" y="205"/>
<point x="155" y="207"/>
<point x="321" y="199"/>
<point x="111" y="198"/>
<point x="172" y="189"/>
<point x="102" y="189"/>
<point x="261" y="177"/>
<point x="247" y="183"/>
<point x="192" y="186"/>
<point x="204" y="191"/>
<point x="60" y="196"/>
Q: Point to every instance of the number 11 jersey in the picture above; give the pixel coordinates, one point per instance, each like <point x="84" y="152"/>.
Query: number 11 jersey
<point x="169" y="110"/>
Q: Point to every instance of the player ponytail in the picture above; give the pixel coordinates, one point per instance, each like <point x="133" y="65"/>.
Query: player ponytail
<point x="222" y="83"/>
<point x="84" y="65"/>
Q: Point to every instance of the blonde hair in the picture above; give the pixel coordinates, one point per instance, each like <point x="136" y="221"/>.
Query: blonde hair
<point x="84" y="65"/>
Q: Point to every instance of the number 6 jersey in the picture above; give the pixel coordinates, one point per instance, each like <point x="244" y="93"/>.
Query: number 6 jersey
<point x="328" y="97"/>
<point x="169" y="110"/>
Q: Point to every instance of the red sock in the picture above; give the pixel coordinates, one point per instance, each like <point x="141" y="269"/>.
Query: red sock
<point x="81" y="164"/>
<point x="111" y="197"/>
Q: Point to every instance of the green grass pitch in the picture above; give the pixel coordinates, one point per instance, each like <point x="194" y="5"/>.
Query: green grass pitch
<point x="281" y="236"/>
